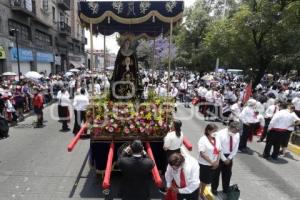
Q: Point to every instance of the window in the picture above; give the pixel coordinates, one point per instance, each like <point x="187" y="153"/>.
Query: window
<point x="45" y="5"/>
<point x="53" y="14"/>
<point x="23" y="30"/>
<point x="71" y="47"/>
<point x="0" y="24"/>
<point x="61" y="17"/>
<point x="42" y="39"/>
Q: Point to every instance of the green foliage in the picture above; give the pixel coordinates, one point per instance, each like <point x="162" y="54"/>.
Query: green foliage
<point x="259" y="34"/>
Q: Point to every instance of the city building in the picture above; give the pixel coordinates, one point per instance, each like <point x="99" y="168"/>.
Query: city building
<point x="50" y="37"/>
<point x="99" y="59"/>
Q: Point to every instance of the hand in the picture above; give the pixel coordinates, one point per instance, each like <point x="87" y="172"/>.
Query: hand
<point x="174" y="189"/>
<point x="227" y="162"/>
<point x="215" y="164"/>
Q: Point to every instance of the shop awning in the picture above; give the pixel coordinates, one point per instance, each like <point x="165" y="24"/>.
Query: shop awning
<point x="77" y="64"/>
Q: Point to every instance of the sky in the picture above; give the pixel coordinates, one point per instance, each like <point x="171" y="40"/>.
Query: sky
<point x="111" y="43"/>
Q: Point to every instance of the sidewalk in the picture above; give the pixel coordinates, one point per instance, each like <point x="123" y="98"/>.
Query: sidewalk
<point x="30" y="113"/>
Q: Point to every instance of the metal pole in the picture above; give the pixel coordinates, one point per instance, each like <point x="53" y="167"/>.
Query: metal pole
<point x="104" y="65"/>
<point x="153" y="61"/>
<point x="92" y="66"/>
<point x="169" y="68"/>
<point x="18" y="58"/>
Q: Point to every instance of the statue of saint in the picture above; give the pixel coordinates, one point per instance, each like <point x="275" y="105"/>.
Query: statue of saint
<point x="126" y="71"/>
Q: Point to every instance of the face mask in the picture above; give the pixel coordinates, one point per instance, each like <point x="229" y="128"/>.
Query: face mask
<point x="213" y="134"/>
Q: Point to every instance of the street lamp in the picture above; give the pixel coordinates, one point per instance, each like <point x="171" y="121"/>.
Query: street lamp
<point x="15" y="32"/>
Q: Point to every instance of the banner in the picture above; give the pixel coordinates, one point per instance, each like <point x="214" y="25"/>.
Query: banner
<point x="247" y="93"/>
<point x="2" y="53"/>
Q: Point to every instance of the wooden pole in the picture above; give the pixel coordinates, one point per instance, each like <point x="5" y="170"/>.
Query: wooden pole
<point x="92" y="66"/>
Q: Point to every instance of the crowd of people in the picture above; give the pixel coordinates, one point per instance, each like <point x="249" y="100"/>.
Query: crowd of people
<point x="270" y="111"/>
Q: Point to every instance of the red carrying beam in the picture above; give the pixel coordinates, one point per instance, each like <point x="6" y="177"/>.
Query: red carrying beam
<point x="155" y="173"/>
<point x="109" y="162"/>
<point x="187" y="144"/>
<point x="76" y="138"/>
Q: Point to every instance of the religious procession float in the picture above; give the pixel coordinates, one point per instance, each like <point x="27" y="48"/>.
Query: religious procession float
<point x="122" y="115"/>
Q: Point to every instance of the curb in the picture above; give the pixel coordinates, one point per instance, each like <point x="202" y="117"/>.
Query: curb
<point x="31" y="113"/>
<point x="294" y="148"/>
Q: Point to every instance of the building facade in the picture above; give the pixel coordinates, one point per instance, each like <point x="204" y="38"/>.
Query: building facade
<point x="50" y="37"/>
<point x="110" y="59"/>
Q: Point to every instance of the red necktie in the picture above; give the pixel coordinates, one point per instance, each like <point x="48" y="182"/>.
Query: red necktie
<point x="213" y="142"/>
<point x="182" y="179"/>
<point x="230" y="147"/>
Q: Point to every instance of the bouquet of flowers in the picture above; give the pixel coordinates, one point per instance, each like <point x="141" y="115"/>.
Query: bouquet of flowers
<point x="150" y="118"/>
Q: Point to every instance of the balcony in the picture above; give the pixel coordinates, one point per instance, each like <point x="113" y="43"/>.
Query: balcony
<point x="64" y="4"/>
<point x="84" y="40"/>
<point x="64" y="29"/>
<point x="23" y="6"/>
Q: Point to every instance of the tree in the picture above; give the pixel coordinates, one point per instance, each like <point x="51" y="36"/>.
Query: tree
<point x="259" y="33"/>
<point x="145" y="52"/>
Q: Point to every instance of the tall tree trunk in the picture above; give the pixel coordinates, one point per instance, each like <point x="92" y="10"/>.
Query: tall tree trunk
<point x="263" y="65"/>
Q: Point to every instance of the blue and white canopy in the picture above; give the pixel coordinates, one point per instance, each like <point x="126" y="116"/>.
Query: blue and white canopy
<point x="150" y="18"/>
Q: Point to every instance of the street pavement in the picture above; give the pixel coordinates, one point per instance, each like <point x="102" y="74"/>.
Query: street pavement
<point x="35" y="165"/>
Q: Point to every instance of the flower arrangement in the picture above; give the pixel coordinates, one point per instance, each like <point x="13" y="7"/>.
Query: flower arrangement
<point x="152" y="118"/>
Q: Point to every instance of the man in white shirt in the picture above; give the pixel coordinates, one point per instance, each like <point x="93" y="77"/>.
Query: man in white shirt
<point x="250" y="122"/>
<point x="229" y="139"/>
<point x="183" y="86"/>
<point x="270" y="112"/>
<point x="185" y="173"/>
<point x="63" y="98"/>
<point x="80" y="104"/>
<point x="296" y="102"/>
<point x="97" y="88"/>
<point x="279" y="129"/>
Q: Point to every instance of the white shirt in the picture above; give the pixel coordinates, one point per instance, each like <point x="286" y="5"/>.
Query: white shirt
<point x="206" y="147"/>
<point x="203" y="92"/>
<point x="235" y="111"/>
<point x="81" y="102"/>
<point x="209" y="96"/>
<point x="271" y="110"/>
<point x="174" y="92"/>
<point x="261" y="120"/>
<point x="248" y="116"/>
<point x="172" y="142"/>
<point x="97" y="88"/>
<point x="191" y="173"/>
<point x="63" y="98"/>
<point x="224" y="138"/>
<point x="296" y="102"/>
<point x="283" y="119"/>
<point x="183" y="85"/>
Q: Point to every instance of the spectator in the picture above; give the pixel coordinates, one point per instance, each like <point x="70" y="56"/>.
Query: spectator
<point x="182" y="176"/>
<point x="229" y="139"/>
<point x="209" y="149"/>
<point x="136" y="168"/>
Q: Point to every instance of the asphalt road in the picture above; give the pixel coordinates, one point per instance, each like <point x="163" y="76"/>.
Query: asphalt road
<point x="35" y="165"/>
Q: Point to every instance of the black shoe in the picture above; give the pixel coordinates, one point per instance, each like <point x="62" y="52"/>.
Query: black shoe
<point x="215" y="192"/>
<point x="163" y="190"/>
